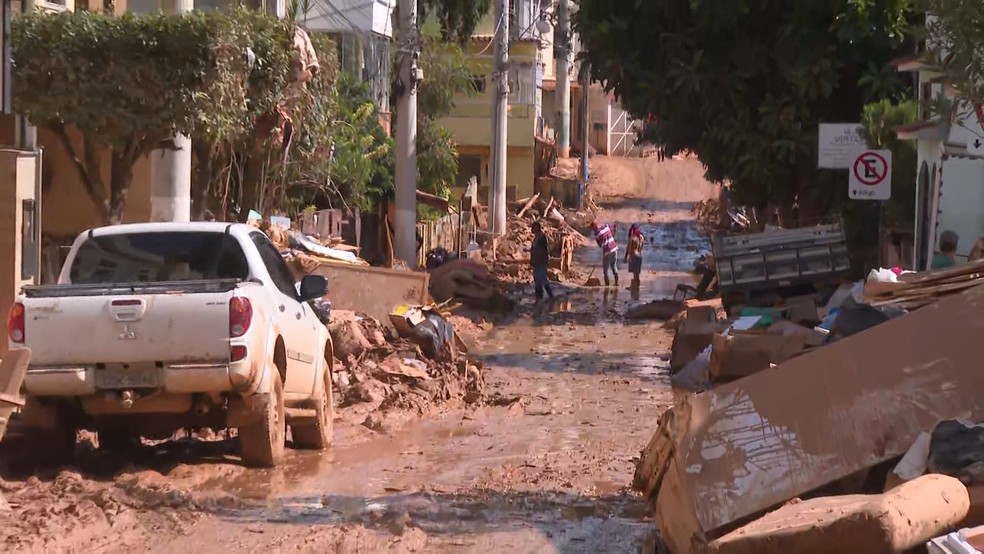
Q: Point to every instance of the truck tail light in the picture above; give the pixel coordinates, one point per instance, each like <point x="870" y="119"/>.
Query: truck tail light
<point x="15" y="323"/>
<point x="240" y="316"/>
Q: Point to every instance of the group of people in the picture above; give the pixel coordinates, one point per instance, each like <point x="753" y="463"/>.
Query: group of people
<point x="605" y="237"/>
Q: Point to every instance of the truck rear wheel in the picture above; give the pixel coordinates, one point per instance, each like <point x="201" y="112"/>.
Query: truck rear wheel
<point x="262" y="443"/>
<point x="53" y="444"/>
<point x="316" y="435"/>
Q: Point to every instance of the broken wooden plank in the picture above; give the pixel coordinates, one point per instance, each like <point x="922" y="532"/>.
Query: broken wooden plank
<point x="527" y="205"/>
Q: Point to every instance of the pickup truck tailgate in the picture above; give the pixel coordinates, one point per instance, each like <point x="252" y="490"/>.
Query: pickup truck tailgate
<point x="124" y="328"/>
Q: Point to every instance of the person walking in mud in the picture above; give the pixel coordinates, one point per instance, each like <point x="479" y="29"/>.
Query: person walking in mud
<point x="633" y="254"/>
<point x="609" y="248"/>
<point x="539" y="260"/>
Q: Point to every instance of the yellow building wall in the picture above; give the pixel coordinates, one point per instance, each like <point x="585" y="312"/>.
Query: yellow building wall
<point x="470" y="122"/>
<point x="67" y="209"/>
<point x="520" y="171"/>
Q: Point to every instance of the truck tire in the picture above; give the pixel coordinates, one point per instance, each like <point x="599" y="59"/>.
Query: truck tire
<point x="317" y="435"/>
<point x="262" y="443"/>
<point x="117" y="439"/>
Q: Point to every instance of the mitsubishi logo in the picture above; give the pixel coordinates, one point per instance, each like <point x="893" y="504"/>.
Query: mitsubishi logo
<point x="127" y="334"/>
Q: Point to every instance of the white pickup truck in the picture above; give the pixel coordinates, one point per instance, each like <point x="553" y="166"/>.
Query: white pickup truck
<point x="157" y="327"/>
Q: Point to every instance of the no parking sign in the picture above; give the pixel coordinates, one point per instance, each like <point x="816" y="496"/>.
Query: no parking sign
<point x="871" y="176"/>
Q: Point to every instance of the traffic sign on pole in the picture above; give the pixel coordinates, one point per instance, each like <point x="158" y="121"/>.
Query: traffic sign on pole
<point x="871" y="176"/>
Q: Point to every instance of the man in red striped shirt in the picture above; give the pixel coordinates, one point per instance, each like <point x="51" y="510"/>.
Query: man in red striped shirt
<point x="606" y="240"/>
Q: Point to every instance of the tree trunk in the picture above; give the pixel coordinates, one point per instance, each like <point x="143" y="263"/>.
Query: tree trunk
<point x="202" y="177"/>
<point x="120" y="176"/>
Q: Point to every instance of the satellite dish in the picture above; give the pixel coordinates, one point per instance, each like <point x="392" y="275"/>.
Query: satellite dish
<point x="543" y="26"/>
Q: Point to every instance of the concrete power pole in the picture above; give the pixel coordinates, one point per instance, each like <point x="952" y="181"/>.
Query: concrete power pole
<point x="170" y="188"/>
<point x="562" y="96"/>
<point x="500" y="109"/>
<point x="585" y="129"/>
<point x="405" y="226"/>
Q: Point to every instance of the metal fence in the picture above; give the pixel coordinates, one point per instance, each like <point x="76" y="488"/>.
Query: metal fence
<point x="449" y="232"/>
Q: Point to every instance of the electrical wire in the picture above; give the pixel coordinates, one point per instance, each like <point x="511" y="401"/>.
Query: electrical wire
<point x="495" y="33"/>
<point x="339" y="13"/>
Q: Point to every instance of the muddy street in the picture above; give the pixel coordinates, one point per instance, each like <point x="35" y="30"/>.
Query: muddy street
<point x="544" y="466"/>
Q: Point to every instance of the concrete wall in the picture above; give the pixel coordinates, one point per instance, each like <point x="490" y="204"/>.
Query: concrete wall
<point x="17" y="172"/>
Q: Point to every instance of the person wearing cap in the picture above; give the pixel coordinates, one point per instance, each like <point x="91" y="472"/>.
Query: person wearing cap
<point x="948" y="248"/>
<point x="539" y="261"/>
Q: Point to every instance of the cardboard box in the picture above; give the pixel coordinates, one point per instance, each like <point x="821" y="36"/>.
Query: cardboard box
<point x="702" y="314"/>
<point x="802" y="309"/>
<point x="405" y="317"/>
<point x="811" y="337"/>
<point x="690" y="340"/>
<point x="740" y="354"/>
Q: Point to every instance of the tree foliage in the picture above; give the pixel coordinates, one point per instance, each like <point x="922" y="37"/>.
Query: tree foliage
<point x="457" y="18"/>
<point x="362" y="162"/>
<point x="955" y="33"/>
<point x="126" y="84"/>
<point x="877" y="127"/>
<point x="744" y="83"/>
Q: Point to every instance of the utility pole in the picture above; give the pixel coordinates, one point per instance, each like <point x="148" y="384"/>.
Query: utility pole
<point x="562" y="95"/>
<point x="500" y="109"/>
<point x="585" y="128"/>
<point x="170" y="187"/>
<point x="405" y="226"/>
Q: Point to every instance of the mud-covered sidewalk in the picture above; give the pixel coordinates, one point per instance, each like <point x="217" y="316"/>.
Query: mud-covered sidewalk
<point x="545" y="465"/>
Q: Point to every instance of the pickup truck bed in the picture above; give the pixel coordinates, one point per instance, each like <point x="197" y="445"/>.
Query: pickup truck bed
<point x="781" y="259"/>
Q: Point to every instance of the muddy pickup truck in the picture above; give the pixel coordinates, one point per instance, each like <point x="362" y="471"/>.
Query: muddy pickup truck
<point x="158" y="327"/>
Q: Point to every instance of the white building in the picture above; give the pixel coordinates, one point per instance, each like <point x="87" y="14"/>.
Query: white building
<point x="950" y="171"/>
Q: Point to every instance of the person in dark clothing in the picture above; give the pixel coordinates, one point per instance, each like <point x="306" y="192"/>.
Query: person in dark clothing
<point x="539" y="260"/>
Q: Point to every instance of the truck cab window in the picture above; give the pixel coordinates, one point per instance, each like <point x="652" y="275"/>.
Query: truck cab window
<point x="283" y="279"/>
<point x="158" y="257"/>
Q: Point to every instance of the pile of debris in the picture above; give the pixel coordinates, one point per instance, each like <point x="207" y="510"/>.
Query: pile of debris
<point x="416" y="365"/>
<point x="803" y="410"/>
<point x="309" y="250"/>
<point x="509" y="256"/>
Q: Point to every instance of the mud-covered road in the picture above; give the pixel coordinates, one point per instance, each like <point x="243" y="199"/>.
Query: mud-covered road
<point x="545" y="467"/>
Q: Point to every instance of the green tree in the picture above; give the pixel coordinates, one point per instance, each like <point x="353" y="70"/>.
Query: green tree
<point x="743" y="84"/>
<point x="126" y="84"/>
<point x="955" y="34"/>
<point x="877" y="124"/>
<point x="362" y="162"/>
<point x="457" y="18"/>
<point x="446" y="76"/>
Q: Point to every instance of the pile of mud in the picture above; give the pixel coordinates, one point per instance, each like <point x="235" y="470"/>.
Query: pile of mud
<point x="379" y="370"/>
<point x="72" y="512"/>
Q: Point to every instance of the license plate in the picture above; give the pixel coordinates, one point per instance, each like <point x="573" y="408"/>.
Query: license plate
<point x="128" y="378"/>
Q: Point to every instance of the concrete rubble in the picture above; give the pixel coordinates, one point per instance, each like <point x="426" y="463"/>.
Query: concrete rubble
<point x="379" y="367"/>
<point x="808" y="401"/>
<point x="509" y="255"/>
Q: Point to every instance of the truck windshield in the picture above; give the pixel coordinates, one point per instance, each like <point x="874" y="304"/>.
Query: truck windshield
<point x="158" y="257"/>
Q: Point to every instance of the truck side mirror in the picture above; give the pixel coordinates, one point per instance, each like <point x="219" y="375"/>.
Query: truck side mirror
<point x="313" y="287"/>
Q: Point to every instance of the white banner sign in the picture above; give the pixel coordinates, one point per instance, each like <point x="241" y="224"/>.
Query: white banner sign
<point x="839" y="145"/>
